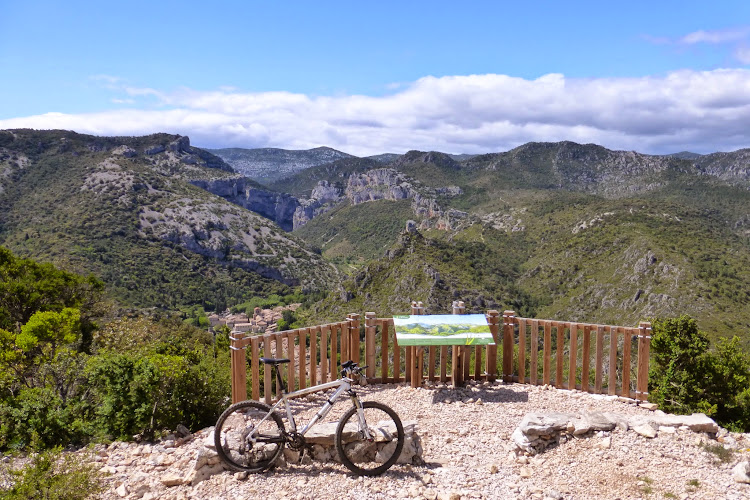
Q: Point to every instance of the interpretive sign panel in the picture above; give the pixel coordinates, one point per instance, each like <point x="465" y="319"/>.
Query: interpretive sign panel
<point x="443" y="329"/>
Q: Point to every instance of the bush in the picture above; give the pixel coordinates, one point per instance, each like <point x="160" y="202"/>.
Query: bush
<point x="140" y="395"/>
<point x="51" y="477"/>
<point x="36" y="418"/>
<point x="686" y="376"/>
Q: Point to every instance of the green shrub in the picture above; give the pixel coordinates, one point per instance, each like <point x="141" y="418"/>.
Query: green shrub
<point x="133" y="394"/>
<point x="51" y="477"/>
<point x="686" y="376"/>
<point x="35" y="418"/>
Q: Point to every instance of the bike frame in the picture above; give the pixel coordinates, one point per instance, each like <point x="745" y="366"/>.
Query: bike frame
<point x="344" y="384"/>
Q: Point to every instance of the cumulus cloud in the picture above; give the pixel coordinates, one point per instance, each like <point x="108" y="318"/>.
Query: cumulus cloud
<point x="685" y="110"/>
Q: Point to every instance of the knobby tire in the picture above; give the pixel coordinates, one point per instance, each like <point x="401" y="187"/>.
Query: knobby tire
<point x="233" y="437"/>
<point x="357" y="454"/>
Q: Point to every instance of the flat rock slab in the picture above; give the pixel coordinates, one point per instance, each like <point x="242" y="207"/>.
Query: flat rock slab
<point x="323" y="434"/>
<point x="544" y="424"/>
<point x="537" y="430"/>
<point x="589" y="422"/>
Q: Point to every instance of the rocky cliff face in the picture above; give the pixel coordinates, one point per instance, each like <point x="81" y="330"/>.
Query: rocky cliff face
<point x="278" y="207"/>
<point x="323" y="198"/>
<point x="379" y="184"/>
<point x="730" y="167"/>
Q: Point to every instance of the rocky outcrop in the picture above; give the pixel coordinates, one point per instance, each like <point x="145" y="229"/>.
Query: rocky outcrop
<point x="390" y="184"/>
<point x="323" y="198"/>
<point x="537" y="431"/>
<point x="731" y="167"/>
<point x="278" y="207"/>
<point x="379" y="184"/>
<point x="435" y="217"/>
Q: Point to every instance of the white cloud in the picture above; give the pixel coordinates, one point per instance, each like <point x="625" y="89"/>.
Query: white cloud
<point x="742" y="54"/>
<point x="716" y="36"/>
<point x="735" y="39"/>
<point x="685" y="110"/>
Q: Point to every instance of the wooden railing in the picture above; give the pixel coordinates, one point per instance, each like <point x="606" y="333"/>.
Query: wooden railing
<point x="314" y="352"/>
<point x="593" y="358"/>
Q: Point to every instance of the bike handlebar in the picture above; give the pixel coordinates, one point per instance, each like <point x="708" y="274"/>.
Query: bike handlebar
<point x="352" y="367"/>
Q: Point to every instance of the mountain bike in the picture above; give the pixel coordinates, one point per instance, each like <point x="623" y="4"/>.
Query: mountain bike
<point x="250" y="435"/>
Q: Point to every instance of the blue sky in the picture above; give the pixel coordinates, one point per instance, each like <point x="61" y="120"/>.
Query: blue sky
<point x="372" y="77"/>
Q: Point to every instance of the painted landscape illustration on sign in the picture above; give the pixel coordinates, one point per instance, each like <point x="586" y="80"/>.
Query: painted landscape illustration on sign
<point x="442" y="329"/>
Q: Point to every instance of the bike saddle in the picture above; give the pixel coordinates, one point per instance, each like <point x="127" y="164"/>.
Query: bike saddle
<point x="274" y="361"/>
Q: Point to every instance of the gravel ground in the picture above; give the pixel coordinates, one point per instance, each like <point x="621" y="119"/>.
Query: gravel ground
<point x="466" y="435"/>
<point x="468" y="454"/>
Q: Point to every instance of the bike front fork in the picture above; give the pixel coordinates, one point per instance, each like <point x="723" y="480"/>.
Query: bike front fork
<point x="363" y="427"/>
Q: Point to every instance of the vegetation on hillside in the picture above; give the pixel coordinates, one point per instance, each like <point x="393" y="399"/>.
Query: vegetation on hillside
<point x="64" y="381"/>
<point x="351" y="236"/>
<point x="434" y="272"/>
<point x="50" y="475"/>
<point x="687" y="376"/>
<point x="123" y="209"/>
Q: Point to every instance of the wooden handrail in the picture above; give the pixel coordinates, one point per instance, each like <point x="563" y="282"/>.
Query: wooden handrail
<point x="620" y="352"/>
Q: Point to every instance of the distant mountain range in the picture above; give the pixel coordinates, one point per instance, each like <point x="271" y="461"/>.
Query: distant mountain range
<point x="555" y="230"/>
<point x="269" y="164"/>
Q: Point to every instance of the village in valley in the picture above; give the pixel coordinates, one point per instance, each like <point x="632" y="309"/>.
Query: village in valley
<point x="262" y="321"/>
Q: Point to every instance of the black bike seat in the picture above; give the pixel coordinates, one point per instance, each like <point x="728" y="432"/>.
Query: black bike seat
<point x="274" y="361"/>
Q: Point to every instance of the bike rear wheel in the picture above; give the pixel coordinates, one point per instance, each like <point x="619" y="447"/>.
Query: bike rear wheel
<point x="370" y="457"/>
<point x="247" y="442"/>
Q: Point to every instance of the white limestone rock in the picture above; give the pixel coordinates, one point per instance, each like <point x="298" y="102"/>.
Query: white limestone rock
<point x="645" y="430"/>
<point x="741" y="472"/>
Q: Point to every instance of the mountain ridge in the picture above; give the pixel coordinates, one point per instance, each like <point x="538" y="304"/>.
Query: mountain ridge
<point x="268" y="164"/>
<point x="127" y="210"/>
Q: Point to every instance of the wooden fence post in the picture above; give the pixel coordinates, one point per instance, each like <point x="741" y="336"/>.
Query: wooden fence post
<point x="598" y="374"/>
<point x="370" y="329"/>
<point x="354" y="323"/>
<point x="522" y="351"/>
<point x="345" y="337"/>
<point x="547" y="356"/>
<point x="644" y="346"/>
<point x="573" y="352"/>
<point x="613" y="339"/>
<point x="267" y="379"/>
<point x="239" y="367"/>
<point x="416" y="364"/>
<point x="493" y="320"/>
<point x="290" y="377"/>
<point x="508" y="331"/>
<point x="255" y="364"/>
<point x="457" y="356"/>
<point x="559" y="354"/>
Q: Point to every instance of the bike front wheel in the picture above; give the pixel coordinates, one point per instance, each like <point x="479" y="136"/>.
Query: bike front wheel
<point x="249" y="437"/>
<point x="369" y="457"/>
